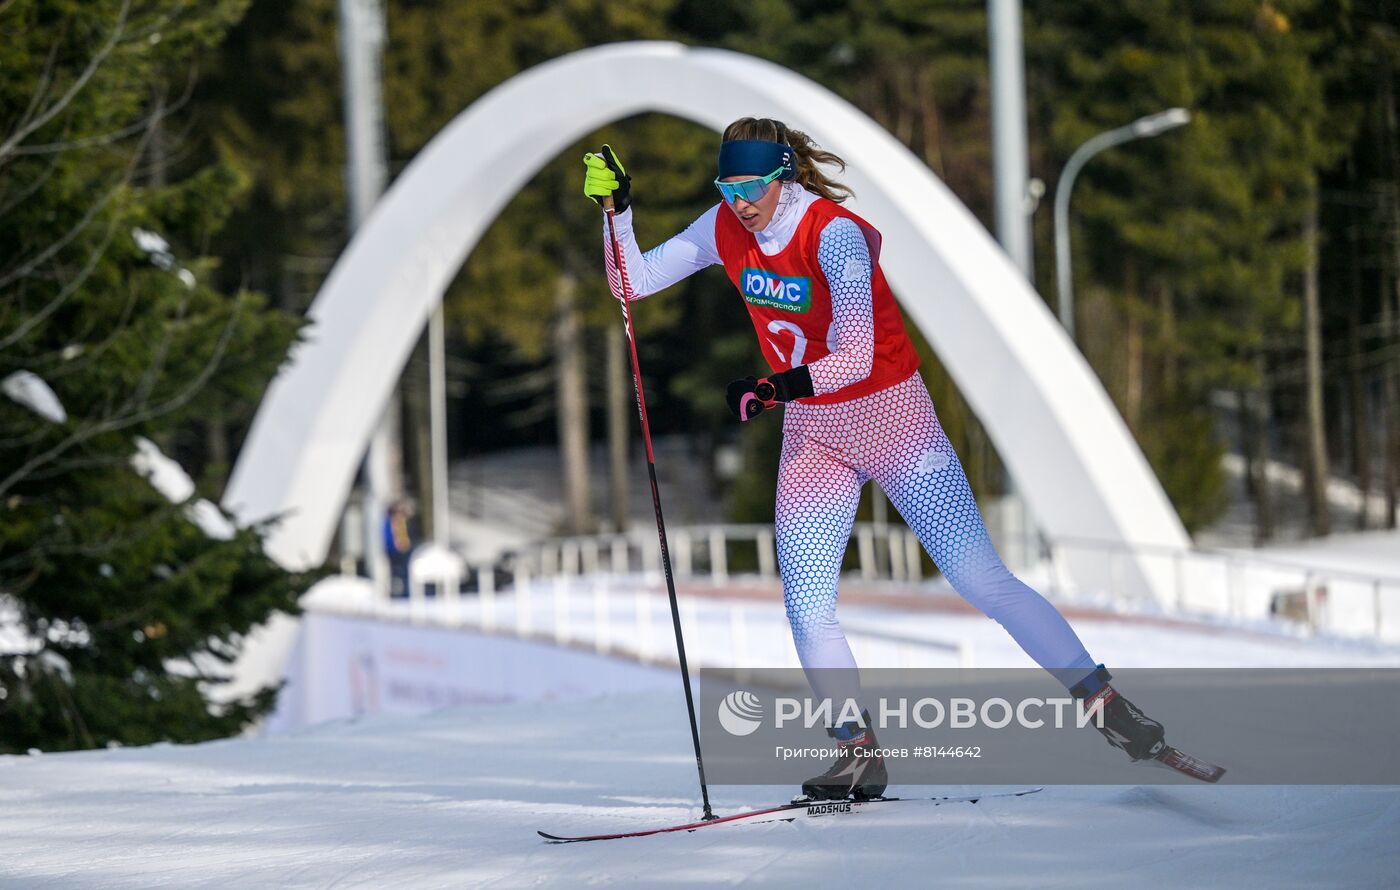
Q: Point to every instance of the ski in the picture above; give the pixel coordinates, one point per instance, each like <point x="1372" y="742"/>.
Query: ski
<point x="1174" y="758"/>
<point x="787" y="813"/>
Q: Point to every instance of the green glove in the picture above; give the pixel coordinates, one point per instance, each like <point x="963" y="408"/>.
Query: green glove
<point x="604" y="177"/>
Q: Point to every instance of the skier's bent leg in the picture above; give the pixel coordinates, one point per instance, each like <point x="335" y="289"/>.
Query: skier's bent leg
<point x="916" y="465"/>
<point x="816" y="505"/>
<point x="1036" y="625"/>
<point x="930" y="490"/>
<point x="959" y="543"/>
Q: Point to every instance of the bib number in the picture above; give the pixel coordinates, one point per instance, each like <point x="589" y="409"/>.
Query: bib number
<point x="799" y="340"/>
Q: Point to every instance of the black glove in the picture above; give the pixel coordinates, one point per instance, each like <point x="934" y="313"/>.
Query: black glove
<point x="751" y="396"/>
<point x="744" y="398"/>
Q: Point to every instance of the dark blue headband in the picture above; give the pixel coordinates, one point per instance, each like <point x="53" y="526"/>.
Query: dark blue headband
<point x="756" y="157"/>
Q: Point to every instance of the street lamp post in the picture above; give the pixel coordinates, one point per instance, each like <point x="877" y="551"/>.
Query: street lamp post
<point x="1142" y="128"/>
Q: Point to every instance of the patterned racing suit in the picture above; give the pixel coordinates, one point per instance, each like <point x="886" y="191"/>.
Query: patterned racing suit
<point x="871" y="418"/>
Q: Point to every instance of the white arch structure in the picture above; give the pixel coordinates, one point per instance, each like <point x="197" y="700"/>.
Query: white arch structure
<point x="1050" y="419"/>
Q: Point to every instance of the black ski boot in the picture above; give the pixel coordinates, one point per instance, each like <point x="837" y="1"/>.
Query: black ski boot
<point x="1125" y="727"/>
<point x="858" y="771"/>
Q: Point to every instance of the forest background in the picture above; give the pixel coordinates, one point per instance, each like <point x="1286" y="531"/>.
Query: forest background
<point x="1206" y="260"/>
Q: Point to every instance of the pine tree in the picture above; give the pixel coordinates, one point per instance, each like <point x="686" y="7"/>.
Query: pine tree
<point x="1360" y="263"/>
<point x="1192" y="241"/>
<point x="119" y="614"/>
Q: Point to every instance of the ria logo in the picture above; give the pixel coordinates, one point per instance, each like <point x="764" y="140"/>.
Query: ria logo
<point x="740" y="713"/>
<point x="763" y="288"/>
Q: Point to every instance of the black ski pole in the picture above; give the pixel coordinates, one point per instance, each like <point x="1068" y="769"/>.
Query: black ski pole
<point x="656" y="500"/>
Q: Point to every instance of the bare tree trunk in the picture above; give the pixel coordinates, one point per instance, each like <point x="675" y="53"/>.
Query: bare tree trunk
<point x="1254" y="435"/>
<point x="417" y="434"/>
<point x="572" y="400"/>
<point x="933" y="135"/>
<point x="1360" y="444"/>
<point x="983" y="456"/>
<point x="1171" y="358"/>
<point x="1249" y="450"/>
<point x="1315" y="463"/>
<point x="288" y="299"/>
<point x="1360" y="450"/>
<point x="1390" y="319"/>
<point x="216" y="457"/>
<point x="1390" y="310"/>
<point x="158" y="147"/>
<point x="619" y="383"/>
<point x="1390" y="370"/>
<point x="1132" y="400"/>
<point x="903" y="113"/>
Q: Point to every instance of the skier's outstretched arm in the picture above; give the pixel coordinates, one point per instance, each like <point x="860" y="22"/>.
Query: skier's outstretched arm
<point x="668" y="262"/>
<point x="643" y="274"/>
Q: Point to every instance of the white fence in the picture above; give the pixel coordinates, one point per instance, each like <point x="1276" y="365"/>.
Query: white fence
<point x="630" y="616"/>
<point x="1243" y="587"/>
<point x="1219" y="584"/>
<point x="882" y="550"/>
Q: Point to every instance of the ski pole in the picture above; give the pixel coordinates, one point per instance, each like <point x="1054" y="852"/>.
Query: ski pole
<point x="656" y="501"/>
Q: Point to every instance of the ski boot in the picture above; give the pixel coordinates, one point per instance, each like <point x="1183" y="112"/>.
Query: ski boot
<point x="1125" y="727"/>
<point x="858" y="772"/>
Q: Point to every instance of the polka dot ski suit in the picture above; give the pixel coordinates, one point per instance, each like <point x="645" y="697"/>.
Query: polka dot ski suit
<point x="891" y="436"/>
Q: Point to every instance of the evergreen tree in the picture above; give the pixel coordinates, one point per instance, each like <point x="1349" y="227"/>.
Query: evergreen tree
<point x="1360" y="249"/>
<point x="1191" y="242"/>
<point x="119" y="614"/>
<point x="269" y="104"/>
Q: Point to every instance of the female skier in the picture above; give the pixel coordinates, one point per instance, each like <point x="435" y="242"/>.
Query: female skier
<point x="856" y="409"/>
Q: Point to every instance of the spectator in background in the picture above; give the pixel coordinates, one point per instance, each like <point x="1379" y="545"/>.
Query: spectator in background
<point x="399" y="541"/>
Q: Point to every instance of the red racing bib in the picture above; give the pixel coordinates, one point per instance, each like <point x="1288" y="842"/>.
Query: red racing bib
<point x="789" y="300"/>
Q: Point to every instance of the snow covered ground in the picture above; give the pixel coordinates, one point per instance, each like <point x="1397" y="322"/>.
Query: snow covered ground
<point x="454" y="800"/>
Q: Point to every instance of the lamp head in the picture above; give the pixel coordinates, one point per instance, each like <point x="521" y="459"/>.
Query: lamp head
<point x="1160" y="122"/>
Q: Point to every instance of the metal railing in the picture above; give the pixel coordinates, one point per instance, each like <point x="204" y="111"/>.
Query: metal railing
<point x="1216" y="584"/>
<point x="1239" y="587"/>
<point x="629" y="617"/>
<point x="881" y="551"/>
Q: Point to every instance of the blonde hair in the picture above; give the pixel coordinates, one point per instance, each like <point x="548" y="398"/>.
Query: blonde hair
<point x="809" y="175"/>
